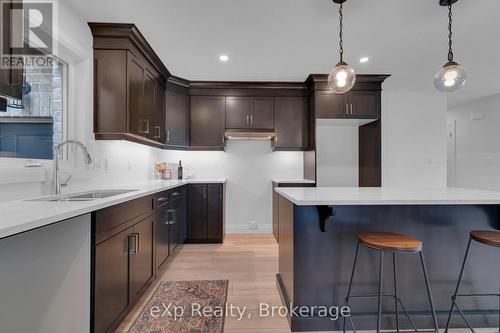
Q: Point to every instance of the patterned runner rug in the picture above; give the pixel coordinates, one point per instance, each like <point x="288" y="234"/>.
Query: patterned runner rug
<point x="184" y="307"/>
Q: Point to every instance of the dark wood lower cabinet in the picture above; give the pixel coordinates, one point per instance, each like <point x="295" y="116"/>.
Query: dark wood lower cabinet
<point x="206" y="213"/>
<point x="111" y="280"/>
<point x="141" y="258"/>
<point x="132" y="241"/>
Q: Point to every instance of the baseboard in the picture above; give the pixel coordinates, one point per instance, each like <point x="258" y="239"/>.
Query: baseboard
<point x="243" y="229"/>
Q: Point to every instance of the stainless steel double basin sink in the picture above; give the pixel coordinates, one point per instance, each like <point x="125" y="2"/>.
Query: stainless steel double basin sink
<point x="85" y="196"/>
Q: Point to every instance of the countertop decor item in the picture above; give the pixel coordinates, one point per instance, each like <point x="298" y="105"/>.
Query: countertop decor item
<point x="452" y="76"/>
<point x="343" y="77"/>
<point x="184" y="294"/>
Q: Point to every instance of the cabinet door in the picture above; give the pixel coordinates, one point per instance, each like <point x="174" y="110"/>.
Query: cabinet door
<point x="291" y="123"/>
<point x="162" y="233"/>
<point x="135" y="83"/>
<point x="207" y="121"/>
<point x="110" y="91"/>
<point x="159" y="121"/>
<point x="329" y="105"/>
<point x="364" y="104"/>
<point x="111" y="280"/>
<point x="197" y="212"/>
<point x="214" y="211"/>
<point x="237" y="112"/>
<point x="177" y="119"/>
<point x="141" y="257"/>
<point x="149" y="104"/>
<point x="262" y="116"/>
<point x="176" y="232"/>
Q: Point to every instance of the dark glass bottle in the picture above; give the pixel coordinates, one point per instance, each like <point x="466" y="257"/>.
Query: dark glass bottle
<point x="179" y="170"/>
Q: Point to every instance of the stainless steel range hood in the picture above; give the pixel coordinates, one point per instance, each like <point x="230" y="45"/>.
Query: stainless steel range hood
<point x="249" y="136"/>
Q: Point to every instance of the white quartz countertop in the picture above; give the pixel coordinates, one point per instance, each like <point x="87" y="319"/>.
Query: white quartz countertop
<point x="22" y="215"/>
<point x="329" y="196"/>
<point x="294" y="181"/>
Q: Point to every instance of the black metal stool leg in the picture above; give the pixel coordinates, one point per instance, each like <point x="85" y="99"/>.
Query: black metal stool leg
<point x="429" y="294"/>
<point x="454" y="297"/>
<point x="380" y="280"/>
<point x="395" y="291"/>
<point x="349" y="290"/>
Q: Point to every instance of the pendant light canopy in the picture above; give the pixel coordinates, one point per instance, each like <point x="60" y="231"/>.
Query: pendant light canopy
<point x="342" y="78"/>
<point x="452" y="76"/>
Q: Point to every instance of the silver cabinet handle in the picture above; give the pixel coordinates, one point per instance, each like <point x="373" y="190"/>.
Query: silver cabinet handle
<point x="135" y="250"/>
<point x="143" y="122"/>
<point x="347" y="109"/>
<point x="247" y="120"/>
<point x="162" y="199"/>
<point x="251" y="120"/>
<point x="204" y="193"/>
<point x="173" y="214"/>
<point x="168" y="136"/>
<point x="158" y="131"/>
<point x="223" y="138"/>
<point x="276" y="138"/>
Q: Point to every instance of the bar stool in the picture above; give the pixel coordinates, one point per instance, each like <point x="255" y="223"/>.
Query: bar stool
<point x="486" y="237"/>
<point x="395" y="243"/>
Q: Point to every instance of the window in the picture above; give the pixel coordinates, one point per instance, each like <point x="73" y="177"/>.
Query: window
<point x="30" y="128"/>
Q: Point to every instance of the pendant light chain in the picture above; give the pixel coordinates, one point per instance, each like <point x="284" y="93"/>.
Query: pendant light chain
<point x="450" y="32"/>
<point x="341" y="33"/>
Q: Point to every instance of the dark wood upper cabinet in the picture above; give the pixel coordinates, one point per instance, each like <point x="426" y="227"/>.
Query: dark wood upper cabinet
<point x="135" y="89"/>
<point x="249" y="113"/>
<point x="291" y="123"/>
<point x="129" y="84"/>
<point x="364" y="104"/>
<point x="262" y="116"/>
<point x="207" y="122"/>
<point x="237" y="112"/>
<point x="330" y="105"/>
<point x="11" y="79"/>
<point x="177" y="119"/>
<point x="111" y="83"/>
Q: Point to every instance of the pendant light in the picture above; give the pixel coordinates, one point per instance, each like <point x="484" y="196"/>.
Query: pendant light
<point x="342" y="78"/>
<point x="452" y="76"/>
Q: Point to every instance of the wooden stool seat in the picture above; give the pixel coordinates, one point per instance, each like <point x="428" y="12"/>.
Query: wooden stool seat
<point x="388" y="241"/>
<point x="488" y="237"/>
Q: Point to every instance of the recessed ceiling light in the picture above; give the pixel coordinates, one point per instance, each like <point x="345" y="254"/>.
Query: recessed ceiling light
<point x="223" y="58"/>
<point x="364" y="59"/>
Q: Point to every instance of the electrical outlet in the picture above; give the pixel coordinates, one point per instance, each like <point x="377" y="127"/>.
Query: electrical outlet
<point x="252" y="225"/>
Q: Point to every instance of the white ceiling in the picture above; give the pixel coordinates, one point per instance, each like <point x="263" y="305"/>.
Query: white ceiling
<point x="289" y="39"/>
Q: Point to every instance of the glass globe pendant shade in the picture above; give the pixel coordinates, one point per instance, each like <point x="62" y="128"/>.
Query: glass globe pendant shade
<point x="450" y="78"/>
<point x="342" y="78"/>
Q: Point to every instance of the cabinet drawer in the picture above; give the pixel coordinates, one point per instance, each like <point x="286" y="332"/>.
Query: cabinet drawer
<point x="110" y="221"/>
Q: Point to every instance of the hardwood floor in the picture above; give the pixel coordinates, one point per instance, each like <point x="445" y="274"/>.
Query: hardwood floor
<point x="249" y="262"/>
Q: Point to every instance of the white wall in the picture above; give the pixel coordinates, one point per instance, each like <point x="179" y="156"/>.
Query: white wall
<point x="45" y="277"/>
<point x="337" y="154"/>
<point x="477" y="144"/>
<point x="413" y="139"/>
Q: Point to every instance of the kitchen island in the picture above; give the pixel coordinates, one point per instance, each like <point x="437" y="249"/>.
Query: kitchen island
<point x="318" y="230"/>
